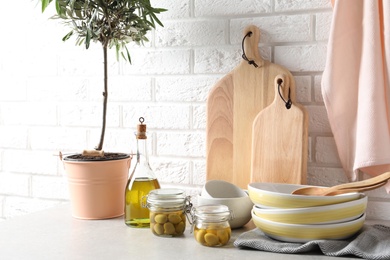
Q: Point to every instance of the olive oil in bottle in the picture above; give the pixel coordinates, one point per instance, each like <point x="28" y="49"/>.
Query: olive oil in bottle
<point x="141" y="181"/>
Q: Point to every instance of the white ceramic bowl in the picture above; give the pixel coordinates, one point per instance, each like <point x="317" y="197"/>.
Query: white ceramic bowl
<point x="335" y="213"/>
<point x="278" y="195"/>
<point x="303" y="233"/>
<point x="240" y="207"/>
<point x="222" y="189"/>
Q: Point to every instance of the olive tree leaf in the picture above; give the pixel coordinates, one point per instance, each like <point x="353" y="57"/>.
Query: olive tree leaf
<point x="110" y="22"/>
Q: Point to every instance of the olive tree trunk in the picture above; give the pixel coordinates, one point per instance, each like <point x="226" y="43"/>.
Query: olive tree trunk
<point x="99" y="147"/>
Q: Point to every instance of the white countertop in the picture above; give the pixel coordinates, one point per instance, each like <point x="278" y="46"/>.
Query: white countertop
<point x="55" y="234"/>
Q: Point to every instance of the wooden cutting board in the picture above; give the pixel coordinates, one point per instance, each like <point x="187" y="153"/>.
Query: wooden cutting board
<point x="232" y="105"/>
<point x="279" y="144"/>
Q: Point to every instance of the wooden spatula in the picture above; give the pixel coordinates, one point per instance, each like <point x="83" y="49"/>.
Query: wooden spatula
<point x="279" y="140"/>
<point x="369" y="184"/>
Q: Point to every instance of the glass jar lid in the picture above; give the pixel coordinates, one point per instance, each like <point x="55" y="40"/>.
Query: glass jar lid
<point x="212" y="213"/>
<point x="166" y="198"/>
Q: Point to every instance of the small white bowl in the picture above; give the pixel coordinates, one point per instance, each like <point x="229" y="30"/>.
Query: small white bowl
<point x="240" y="207"/>
<point x="335" y="213"/>
<point x="222" y="189"/>
<point x="299" y="233"/>
<point x="278" y="195"/>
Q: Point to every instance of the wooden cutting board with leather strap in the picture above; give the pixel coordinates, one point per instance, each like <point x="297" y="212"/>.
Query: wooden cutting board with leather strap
<point x="232" y="105"/>
<point x="279" y="143"/>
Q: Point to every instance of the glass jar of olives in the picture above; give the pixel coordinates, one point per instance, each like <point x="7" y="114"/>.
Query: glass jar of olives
<point x="211" y="225"/>
<point x="167" y="211"/>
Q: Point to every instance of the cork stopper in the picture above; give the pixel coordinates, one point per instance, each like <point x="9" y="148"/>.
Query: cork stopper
<point x="141" y="129"/>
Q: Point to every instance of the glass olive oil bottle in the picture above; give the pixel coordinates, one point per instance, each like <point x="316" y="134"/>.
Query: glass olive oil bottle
<point x="141" y="181"/>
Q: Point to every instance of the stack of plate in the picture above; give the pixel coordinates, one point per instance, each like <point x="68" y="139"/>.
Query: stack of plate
<point x="299" y="218"/>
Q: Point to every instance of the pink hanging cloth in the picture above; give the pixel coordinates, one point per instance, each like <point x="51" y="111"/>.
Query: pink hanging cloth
<point x="356" y="87"/>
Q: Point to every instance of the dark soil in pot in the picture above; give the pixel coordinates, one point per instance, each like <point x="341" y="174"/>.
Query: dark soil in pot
<point x="107" y="157"/>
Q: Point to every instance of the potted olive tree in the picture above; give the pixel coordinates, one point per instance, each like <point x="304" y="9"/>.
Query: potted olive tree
<point x="96" y="179"/>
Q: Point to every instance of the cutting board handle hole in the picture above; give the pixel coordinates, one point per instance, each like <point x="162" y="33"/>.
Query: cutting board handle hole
<point x="287" y="102"/>
<point x="250" y="62"/>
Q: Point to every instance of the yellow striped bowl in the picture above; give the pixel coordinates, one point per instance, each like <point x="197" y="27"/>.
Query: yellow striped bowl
<point x="303" y="233"/>
<point x="278" y="195"/>
<point x="335" y="213"/>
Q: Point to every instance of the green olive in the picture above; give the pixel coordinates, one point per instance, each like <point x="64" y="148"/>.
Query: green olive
<point x="158" y="229"/>
<point x="223" y="236"/>
<point x="199" y="236"/>
<point x="169" y="228"/>
<point x="152" y="216"/>
<point x="212" y="230"/>
<point x="211" y="239"/>
<point x="180" y="227"/>
<point x="161" y="218"/>
<point x="174" y="218"/>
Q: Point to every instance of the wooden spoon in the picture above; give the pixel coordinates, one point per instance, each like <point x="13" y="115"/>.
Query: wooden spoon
<point x="368" y="184"/>
<point x="342" y="191"/>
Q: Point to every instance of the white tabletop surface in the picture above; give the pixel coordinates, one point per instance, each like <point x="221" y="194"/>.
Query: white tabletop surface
<point x="55" y="234"/>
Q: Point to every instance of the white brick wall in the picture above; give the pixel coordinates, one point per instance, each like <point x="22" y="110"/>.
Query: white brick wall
<point x="51" y="93"/>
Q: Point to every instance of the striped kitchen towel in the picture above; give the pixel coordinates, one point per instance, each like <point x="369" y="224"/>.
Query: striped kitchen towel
<point x="373" y="242"/>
